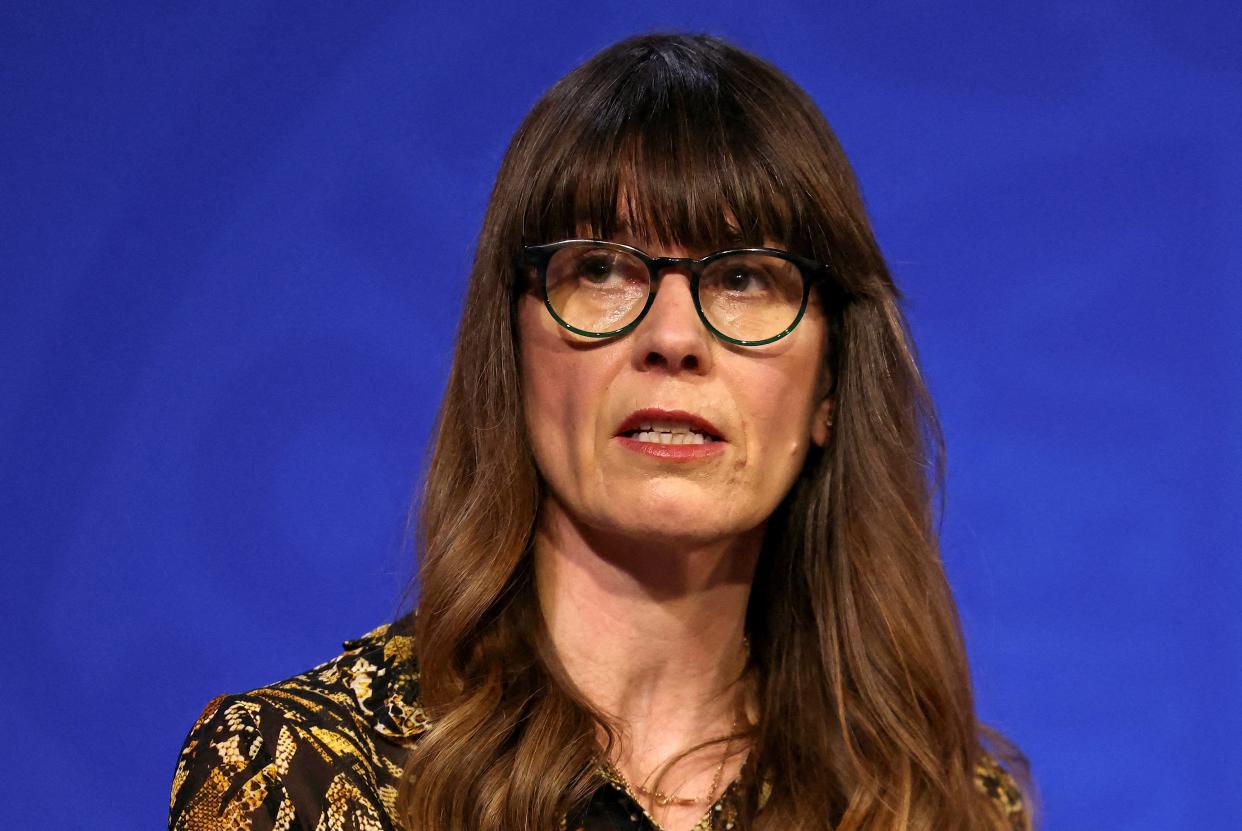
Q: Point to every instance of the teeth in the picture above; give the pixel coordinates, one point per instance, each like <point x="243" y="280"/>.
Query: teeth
<point x="657" y="437"/>
<point x="668" y="426"/>
<point x="670" y="432"/>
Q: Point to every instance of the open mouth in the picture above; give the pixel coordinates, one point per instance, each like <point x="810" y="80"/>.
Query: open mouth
<point x="670" y="432"/>
<point x="669" y="427"/>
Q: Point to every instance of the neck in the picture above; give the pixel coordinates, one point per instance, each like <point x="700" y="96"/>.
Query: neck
<point x="650" y="632"/>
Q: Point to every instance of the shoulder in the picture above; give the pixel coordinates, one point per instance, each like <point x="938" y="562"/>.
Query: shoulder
<point x="325" y="745"/>
<point x="1002" y="788"/>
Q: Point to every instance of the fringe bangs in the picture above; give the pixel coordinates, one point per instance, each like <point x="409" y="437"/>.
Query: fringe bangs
<point x="638" y="165"/>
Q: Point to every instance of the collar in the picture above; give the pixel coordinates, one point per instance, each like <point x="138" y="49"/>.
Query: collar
<point x="381" y="672"/>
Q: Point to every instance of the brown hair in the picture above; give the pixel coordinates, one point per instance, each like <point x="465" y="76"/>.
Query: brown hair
<point x="866" y="712"/>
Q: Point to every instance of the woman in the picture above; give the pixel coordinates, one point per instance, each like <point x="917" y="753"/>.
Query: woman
<point x="677" y="558"/>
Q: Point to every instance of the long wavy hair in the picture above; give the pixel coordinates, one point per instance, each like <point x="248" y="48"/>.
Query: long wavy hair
<point x="867" y="718"/>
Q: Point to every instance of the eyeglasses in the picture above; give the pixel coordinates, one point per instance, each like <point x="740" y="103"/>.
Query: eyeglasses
<point x="745" y="296"/>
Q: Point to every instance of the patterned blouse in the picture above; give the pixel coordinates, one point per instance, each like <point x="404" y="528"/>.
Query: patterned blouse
<point x="325" y="749"/>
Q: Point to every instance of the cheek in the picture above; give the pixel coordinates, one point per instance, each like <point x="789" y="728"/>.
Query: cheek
<point x="544" y="382"/>
<point x="547" y="400"/>
<point x="781" y="402"/>
<point x="780" y="426"/>
<point x="556" y="386"/>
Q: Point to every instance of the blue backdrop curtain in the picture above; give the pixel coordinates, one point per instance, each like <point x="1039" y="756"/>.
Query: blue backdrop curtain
<point x="234" y="243"/>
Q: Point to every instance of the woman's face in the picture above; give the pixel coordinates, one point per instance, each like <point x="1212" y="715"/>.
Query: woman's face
<point x="766" y="404"/>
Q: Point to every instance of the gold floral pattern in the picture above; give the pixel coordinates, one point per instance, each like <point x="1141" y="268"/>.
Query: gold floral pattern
<point x="324" y="751"/>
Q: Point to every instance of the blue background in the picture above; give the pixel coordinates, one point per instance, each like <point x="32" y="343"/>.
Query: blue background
<point x="234" y="243"/>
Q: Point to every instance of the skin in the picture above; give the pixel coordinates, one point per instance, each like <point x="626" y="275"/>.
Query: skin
<point x="644" y="566"/>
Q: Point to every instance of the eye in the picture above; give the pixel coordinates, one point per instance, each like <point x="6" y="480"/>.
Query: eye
<point x="597" y="268"/>
<point x="608" y="270"/>
<point x="743" y="279"/>
<point x="753" y="279"/>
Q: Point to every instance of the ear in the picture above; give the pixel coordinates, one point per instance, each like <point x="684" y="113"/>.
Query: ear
<point x="821" y="422"/>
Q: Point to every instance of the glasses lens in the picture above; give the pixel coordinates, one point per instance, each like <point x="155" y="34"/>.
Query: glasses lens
<point x="751" y="296"/>
<point x="595" y="288"/>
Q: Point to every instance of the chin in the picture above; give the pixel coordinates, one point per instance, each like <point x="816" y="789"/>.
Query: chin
<point x="691" y="521"/>
<point x="686" y="533"/>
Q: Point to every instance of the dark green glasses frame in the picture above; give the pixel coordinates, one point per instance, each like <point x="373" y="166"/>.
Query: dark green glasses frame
<point x="540" y="255"/>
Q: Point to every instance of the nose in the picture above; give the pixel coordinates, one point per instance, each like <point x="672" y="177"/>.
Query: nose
<point x="672" y="337"/>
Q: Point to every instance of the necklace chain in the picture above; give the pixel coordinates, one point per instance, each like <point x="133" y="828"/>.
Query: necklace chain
<point x="663" y="800"/>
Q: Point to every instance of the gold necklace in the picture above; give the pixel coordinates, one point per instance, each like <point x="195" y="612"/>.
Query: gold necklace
<point x="664" y="800"/>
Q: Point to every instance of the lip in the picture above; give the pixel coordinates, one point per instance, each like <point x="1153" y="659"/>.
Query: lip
<point x="671" y="452"/>
<point x="637" y="418"/>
